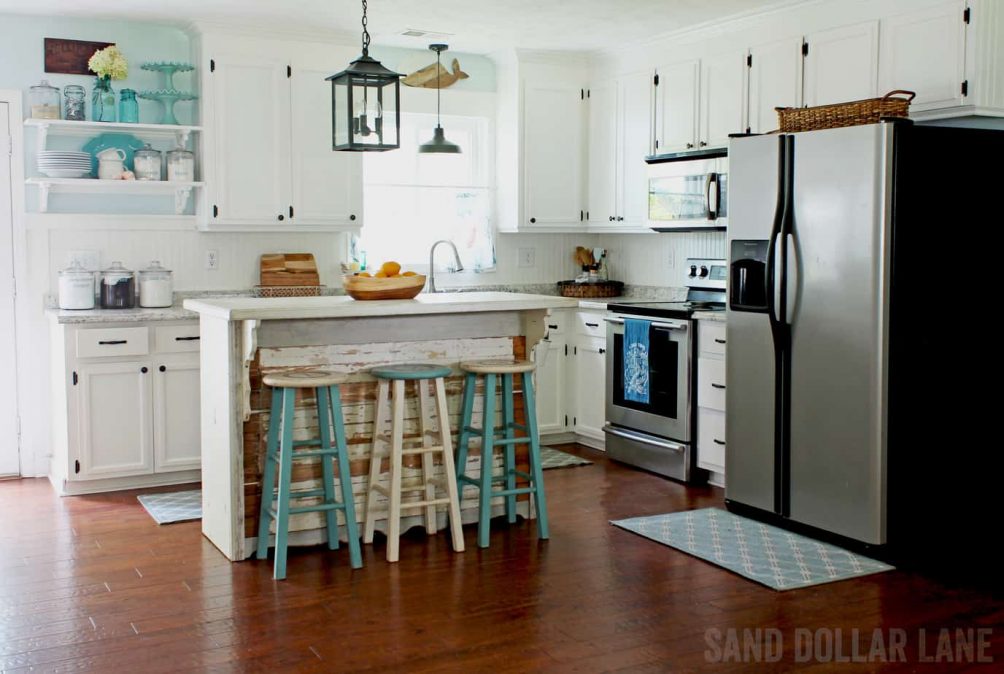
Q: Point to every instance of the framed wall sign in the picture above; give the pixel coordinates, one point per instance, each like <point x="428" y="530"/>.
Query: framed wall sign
<point x="69" y="57"/>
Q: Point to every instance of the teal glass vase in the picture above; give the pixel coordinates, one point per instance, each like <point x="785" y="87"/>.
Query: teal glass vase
<point x="103" y="100"/>
<point x="128" y="106"/>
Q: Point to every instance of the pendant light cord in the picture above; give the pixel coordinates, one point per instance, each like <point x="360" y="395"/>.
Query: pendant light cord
<point x="439" y="91"/>
<point x="366" y="33"/>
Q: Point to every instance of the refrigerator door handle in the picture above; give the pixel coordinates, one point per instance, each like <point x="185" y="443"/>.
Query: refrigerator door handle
<point x="791" y="275"/>
<point x="775" y="307"/>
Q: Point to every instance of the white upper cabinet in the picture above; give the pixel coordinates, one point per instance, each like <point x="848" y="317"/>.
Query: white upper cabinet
<point x="635" y="125"/>
<point x="249" y="119"/>
<point x="775" y="80"/>
<point x="722" y="98"/>
<point x="924" y="52"/>
<point x="603" y="145"/>
<point x="327" y="185"/>
<point x="676" y="106"/>
<point x="271" y="166"/>
<point x="553" y="154"/>
<point x="841" y="64"/>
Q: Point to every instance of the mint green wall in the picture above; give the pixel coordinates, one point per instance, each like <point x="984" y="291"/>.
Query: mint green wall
<point x="22" y="59"/>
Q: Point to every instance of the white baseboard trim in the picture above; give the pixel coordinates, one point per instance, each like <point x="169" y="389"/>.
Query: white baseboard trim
<point x="78" y="487"/>
<point x="567" y="438"/>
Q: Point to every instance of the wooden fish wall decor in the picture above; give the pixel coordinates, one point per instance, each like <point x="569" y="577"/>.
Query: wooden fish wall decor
<point x="427" y="76"/>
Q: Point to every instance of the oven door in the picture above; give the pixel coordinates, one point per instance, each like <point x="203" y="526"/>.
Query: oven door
<point x="667" y="414"/>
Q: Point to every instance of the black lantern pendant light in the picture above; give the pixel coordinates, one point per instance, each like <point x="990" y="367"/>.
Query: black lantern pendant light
<point x="438" y="144"/>
<point x="365" y="104"/>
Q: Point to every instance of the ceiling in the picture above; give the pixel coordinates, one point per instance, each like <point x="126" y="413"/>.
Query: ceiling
<point x="477" y="26"/>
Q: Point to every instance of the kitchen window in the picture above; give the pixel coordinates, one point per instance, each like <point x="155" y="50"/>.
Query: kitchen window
<point x="412" y="200"/>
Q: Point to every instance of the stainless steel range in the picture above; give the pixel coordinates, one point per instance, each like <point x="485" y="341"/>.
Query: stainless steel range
<point x="657" y="432"/>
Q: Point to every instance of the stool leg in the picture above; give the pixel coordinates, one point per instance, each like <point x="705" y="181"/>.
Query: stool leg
<point x="449" y="472"/>
<point x="268" y="474"/>
<point x="509" y="462"/>
<point x="285" y="483"/>
<point x="539" y="499"/>
<point x="345" y="480"/>
<point x="397" y="445"/>
<point x="466" y="419"/>
<point x="487" y="453"/>
<point x="376" y="458"/>
<point x="327" y="464"/>
<point x="428" y="464"/>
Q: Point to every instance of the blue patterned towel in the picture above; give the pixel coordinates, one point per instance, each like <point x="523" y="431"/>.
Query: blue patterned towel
<point x="636" y="360"/>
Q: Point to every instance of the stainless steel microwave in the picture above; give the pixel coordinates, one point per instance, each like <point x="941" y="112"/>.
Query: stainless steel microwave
<point x="688" y="195"/>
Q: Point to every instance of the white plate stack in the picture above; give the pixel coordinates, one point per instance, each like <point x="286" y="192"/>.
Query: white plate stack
<point x="64" y="164"/>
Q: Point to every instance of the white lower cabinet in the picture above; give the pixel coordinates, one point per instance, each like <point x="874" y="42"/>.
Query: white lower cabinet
<point x="125" y="420"/>
<point x="549" y="355"/>
<point x="589" y="413"/>
<point x="711" y="395"/>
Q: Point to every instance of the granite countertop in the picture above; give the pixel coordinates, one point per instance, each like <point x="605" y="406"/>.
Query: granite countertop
<point x="292" y="308"/>
<point x="139" y="315"/>
<point x="716" y="316"/>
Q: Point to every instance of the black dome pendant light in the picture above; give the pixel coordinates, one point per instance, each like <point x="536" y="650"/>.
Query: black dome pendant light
<point x="438" y="144"/>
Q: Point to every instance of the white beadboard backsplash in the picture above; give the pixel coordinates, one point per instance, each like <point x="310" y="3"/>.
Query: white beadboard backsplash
<point x="658" y="259"/>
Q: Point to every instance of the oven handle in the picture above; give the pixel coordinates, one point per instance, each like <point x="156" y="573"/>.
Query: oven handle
<point x="639" y="437"/>
<point x="664" y="326"/>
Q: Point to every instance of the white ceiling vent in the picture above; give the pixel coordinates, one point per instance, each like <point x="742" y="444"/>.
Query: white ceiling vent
<point x="425" y="34"/>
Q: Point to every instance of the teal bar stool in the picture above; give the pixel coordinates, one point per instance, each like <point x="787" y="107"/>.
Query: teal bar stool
<point x="275" y="503"/>
<point x="392" y="445"/>
<point x="493" y="370"/>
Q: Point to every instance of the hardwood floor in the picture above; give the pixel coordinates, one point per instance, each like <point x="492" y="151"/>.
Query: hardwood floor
<point x="91" y="583"/>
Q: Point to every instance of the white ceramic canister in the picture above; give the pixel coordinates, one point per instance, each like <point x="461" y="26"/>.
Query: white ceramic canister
<point x="156" y="286"/>
<point x="76" y="287"/>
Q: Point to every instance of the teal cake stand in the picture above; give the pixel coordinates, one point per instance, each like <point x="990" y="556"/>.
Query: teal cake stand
<point x="168" y="97"/>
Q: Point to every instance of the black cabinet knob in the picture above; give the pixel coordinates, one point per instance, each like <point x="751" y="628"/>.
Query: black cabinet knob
<point x="281" y="217"/>
<point x="352" y="217"/>
<point x="611" y="218"/>
<point x="603" y="351"/>
<point x="690" y="146"/>
<point x="704" y="143"/>
<point x="532" y="220"/>
<point x="620" y="218"/>
<point x="144" y="370"/>
<point x="162" y="368"/>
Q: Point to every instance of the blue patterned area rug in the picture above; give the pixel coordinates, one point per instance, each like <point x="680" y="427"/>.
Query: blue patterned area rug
<point x="555" y="458"/>
<point x="777" y="558"/>
<point x="175" y="506"/>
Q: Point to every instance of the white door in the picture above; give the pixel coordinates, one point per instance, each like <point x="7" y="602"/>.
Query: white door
<point x="723" y="98"/>
<point x="775" y="81"/>
<point x="115" y="416"/>
<point x="177" y="414"/>
<point x="676" y="106"/>
<point x="9" y="461"/>
<point x="635" y="119"/>
<point x="925" y="52"/>
<point x="550" y="383"/>
<point x="842" y="64"/>
<point x="603" y="132"/>
<point x="251" y="148"/>
<point x="590" y="387"/>
<point x="327" y="185"/>
<point x="553" y="153"/>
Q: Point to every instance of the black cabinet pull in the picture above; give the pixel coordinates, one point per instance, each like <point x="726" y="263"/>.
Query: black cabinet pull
<point x="552" y="327"/>
<point x="719" y="341"/>
<point x="185" y="339"/>
<point x="719" y="442"/>
<point x="162" y="368"/>
<point x="592" y="325"/>
<point x="721" y="386"/>
<point x="144" y="370"/>
<point x="110" y="342"/>
<point x="291" y="212"/>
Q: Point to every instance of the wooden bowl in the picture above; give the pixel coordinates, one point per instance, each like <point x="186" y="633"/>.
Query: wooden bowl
<point x="370" y="288"/>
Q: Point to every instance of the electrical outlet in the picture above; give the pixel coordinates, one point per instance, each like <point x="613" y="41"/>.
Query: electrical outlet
<point x="527" y="257"/>
<point x="213" y="259"/>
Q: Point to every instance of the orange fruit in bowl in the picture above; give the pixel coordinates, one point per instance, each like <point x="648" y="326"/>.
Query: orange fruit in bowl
<point x="365" y="274"/>
<point x="390" y="268"/>
<point x="380" y="274"/>
<point x="409" y="273"/>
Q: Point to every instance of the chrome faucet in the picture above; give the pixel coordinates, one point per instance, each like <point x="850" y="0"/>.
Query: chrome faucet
<point x="432" y="263"/>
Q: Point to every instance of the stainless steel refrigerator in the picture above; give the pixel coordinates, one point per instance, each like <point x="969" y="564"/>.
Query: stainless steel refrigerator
<point x="847" y="405"/>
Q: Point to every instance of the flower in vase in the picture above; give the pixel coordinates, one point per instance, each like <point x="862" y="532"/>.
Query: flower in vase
<point x="109" y="63"/>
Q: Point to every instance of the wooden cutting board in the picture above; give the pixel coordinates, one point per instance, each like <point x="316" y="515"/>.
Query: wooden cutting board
<point x="289" y="269"/>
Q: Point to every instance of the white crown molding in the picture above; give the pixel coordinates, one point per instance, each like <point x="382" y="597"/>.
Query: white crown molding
<point x="274" y="32"/>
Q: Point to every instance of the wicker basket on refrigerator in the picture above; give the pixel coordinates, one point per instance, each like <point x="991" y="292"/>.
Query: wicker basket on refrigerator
<point x="853" y="113"/>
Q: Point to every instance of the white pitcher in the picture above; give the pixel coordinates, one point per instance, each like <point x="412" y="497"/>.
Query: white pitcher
<point x="111" y="163"/>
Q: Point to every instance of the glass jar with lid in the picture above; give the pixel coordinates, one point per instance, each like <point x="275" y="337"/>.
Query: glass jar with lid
<point x="156" y="286"/>
<point x="44" y="101"/>
<point x="147" y="163"/>
<point x="74" y="97"/>
<point x="181" y="165"/>
<point x="118" y="287"/>
<point x="76" y="287"/>
<point x="128" y="107"/>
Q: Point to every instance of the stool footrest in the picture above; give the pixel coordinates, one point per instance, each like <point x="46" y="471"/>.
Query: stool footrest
<point x="511" y="441"/>
<point x="421" y="450"/>
<point x="386" y="437"/>
<point x="423" y="504"/>
<point x="500" y="431"/>
<point x="308" y="454"/>
<point x="320" y="507"/>
<point x="525" y="476"/>
<point x="312" y="493"/>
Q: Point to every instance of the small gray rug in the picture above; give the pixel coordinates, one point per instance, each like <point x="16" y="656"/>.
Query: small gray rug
<point x="555" y="458"/>
<point x="772" y="556"/>
<point x="175" y="506"/>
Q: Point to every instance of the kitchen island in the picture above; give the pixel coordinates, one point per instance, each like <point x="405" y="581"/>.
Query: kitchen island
<point x="245" y="338"/>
